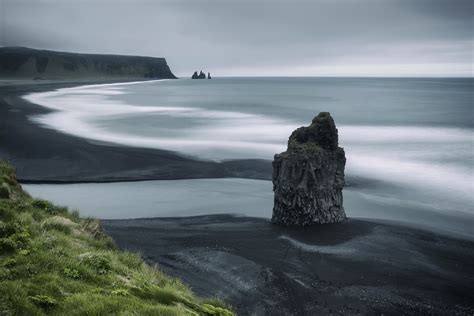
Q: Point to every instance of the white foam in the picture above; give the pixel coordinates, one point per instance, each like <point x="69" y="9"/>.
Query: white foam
<point x="229" y="134"/>
<point x="403" y="134"/>
<point x="455" y="180"/>
<point x="395" y="154"/>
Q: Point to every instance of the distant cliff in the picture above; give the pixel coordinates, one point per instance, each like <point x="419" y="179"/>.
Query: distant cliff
<point x="27" y="63"/>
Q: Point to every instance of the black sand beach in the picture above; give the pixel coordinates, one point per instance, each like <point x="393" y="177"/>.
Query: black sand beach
<point x="357" y="267"/>
<point x="222" y="158"/>
<point x="45" y="156"/>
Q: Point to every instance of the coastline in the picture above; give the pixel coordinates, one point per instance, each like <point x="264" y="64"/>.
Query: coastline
<point x="44" y="155"/>
<point x="344" y="267"/>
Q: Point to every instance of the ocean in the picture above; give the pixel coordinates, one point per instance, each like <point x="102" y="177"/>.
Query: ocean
<point x="408" y="142"/>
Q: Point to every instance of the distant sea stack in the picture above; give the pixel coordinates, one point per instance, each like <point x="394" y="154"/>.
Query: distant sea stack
<point x="309" y="176"/>
<point x="27" y="63"/>
<point x="201" y="75"/>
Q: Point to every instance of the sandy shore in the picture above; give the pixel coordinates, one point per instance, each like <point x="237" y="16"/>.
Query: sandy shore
<point x="45" y="155"/>
<point x="357" y="267"/>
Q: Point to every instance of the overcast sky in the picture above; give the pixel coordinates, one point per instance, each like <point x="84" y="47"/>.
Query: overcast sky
<point x="257" y="38"/>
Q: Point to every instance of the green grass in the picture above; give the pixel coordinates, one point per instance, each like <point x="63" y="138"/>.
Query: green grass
<point x="53" y="262"/>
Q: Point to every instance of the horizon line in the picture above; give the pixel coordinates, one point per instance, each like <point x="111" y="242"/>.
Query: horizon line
<point x="339" y="76"/>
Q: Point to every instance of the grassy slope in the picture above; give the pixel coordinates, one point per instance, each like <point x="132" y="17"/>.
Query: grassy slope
<point x="54" y="262"/>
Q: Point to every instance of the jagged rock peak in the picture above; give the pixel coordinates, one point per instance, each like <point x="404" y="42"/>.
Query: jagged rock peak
<point x="308" y="178"/>
<point x="201" y="75"/>
<point x="322" y="132"/>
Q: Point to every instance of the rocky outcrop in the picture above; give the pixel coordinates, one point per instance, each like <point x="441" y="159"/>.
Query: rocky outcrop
<point x="209" y="75"/>
<point x="200" y="76"/>
<point x="309" y="176"/>
<point x="27" y="63"/>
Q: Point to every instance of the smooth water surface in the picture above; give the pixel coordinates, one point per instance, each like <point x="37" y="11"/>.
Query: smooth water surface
<point x="171" y="198"/>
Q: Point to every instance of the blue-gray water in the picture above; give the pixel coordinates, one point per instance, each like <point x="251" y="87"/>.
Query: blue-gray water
<point x="408" y="142"/>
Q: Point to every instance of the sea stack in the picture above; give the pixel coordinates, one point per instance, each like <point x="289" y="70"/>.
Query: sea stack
<point x="200" y="76"/>
<point x="309" y="176"/>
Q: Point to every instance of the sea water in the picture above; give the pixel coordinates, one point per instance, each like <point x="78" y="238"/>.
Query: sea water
<point x="408" y="142"/>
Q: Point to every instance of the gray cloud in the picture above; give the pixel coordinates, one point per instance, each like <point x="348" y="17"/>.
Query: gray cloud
<point x="320" y="37"/>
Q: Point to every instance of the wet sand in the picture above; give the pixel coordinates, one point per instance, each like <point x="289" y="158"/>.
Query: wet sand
<point x="43" y="155"/>
<point x="357" y="267"/>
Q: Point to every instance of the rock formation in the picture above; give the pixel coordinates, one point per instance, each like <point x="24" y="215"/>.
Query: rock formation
<point x="209" y="75"/>
<point x="28" y="63"/>
<point x="309" y="176"/>
<point x="200" y="76"/>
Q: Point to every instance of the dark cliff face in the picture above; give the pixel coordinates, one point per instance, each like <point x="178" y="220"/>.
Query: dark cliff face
<point x="308" y="178"/>
<point x="26" y="63"/>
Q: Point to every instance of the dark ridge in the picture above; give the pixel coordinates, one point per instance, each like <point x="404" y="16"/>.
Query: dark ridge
<point x="41" y="63"/>
<point x="28" y="63"/>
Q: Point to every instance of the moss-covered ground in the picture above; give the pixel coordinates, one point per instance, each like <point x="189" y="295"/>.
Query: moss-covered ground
<point x="53" y="262"/>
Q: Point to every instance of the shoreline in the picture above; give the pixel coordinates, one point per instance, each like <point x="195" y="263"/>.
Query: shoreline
<point x="60" y="182"/>
<point x="43" y="155"/>
<point x="345" y="267"/>
<point x="214" y="196"/>
<point x="257" y="267"/>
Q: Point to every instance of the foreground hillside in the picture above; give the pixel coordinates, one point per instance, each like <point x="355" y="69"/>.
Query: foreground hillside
<point x="54" y="262"/>
<point x="27" y="63"/>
